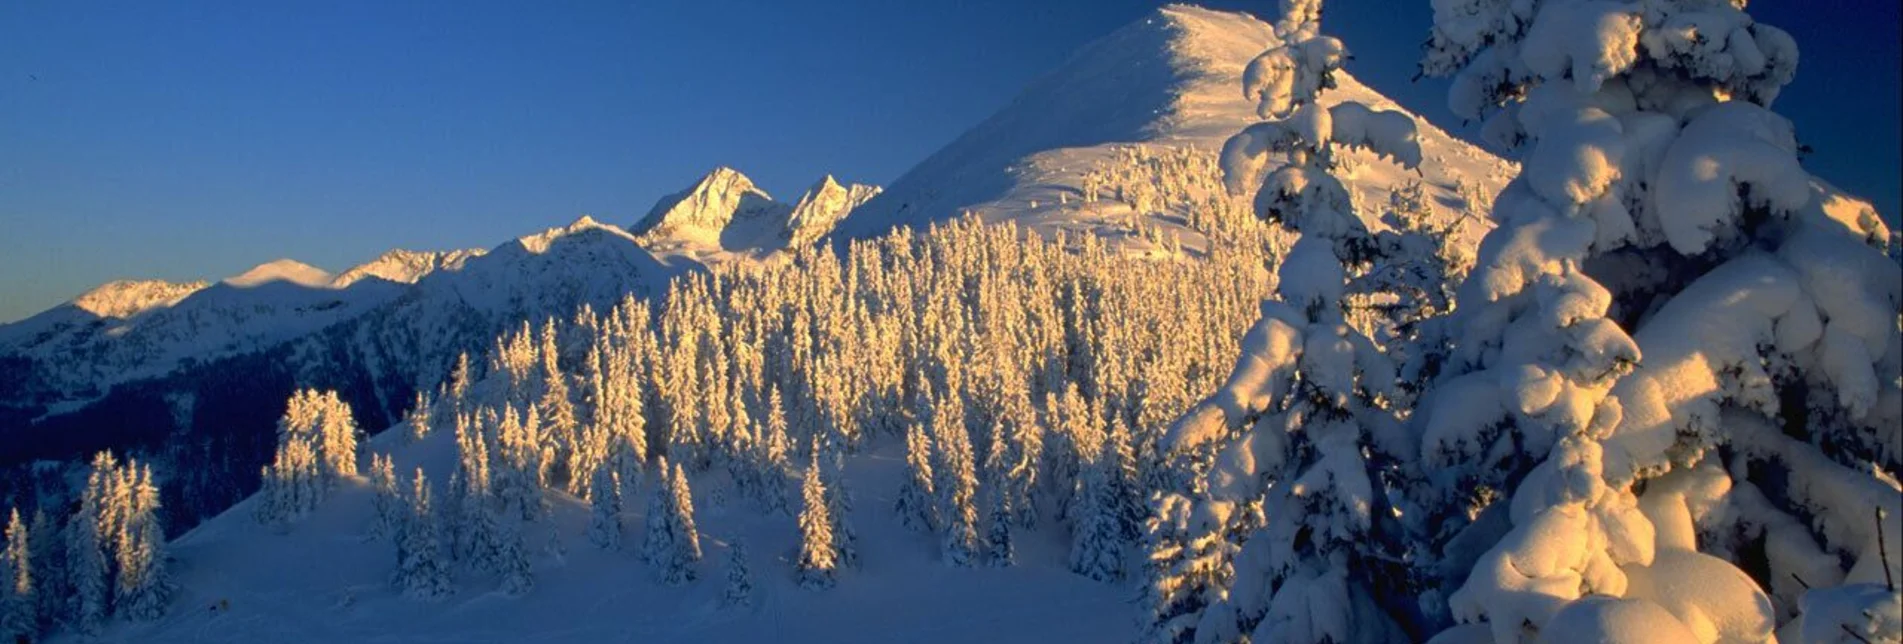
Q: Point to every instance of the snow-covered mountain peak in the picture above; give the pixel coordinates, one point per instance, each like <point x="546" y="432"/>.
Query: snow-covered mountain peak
<point x="1164" y="85"/>
<point x="539" y="243"/>
<point x="703" y="211"/>
<point x="406" y="266"/>
<point x="821" y="208"/>
<point x="126" y="298"/>
<point x="282" y="270"/>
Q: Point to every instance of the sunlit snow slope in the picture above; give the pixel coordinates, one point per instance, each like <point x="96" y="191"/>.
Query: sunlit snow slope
<point x="1170" y="80"/>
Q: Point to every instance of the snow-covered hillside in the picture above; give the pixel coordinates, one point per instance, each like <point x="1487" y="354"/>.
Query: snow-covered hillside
<point x="325" y="580"/>
<point x="1169" y="81"/>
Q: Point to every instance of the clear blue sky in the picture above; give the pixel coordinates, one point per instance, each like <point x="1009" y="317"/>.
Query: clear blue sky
<point x="191" y="140"/>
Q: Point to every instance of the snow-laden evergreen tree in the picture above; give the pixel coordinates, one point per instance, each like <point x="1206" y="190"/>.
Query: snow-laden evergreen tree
<point x="657" y="547"/>
<point x="1097" y="539"/>
<point x="958" y="482"/>
<point x="388" y="522"/>
<point x="1021" y="458"/>
<point x="604" y="525"/>
<point x="1314" y="445"/>
<point x="818" y="554"/>
<point x="1188" y="550"/>
<point x="421" y="572"/>
<point x="52" y="586"/>
<point x="673" y="542"/>
<point x="512" y="559"/>
<point x="1661" y="211"/>
<point x="91" y="535"/>
<point x="418" y="420"/>
<point x="18" y="599"/>
<point x="144" y="579"/>
<point x="915" y="502"/>
<point x="1000" y="551"/>
<point x="771" y="457"/>
<point x="337" y="434"/>
<point x="739" y="590"/>
<point x="560" y="426"/>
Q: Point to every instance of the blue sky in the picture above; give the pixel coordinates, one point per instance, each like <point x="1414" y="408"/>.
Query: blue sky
<point x="191" y="140"/>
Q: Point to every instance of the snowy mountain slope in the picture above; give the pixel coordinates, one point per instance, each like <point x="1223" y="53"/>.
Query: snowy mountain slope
<point x="1170" y="81"/>
<point x="324" y="580"/>
<point x="126" y="298"/>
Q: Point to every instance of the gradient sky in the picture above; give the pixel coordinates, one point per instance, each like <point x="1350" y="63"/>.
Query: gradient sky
<point x="191" y="140"/>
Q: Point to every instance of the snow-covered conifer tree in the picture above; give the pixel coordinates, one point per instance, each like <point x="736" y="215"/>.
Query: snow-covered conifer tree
<point x="657" y="547"/>
<point x="739" y="591"/>
<point x="144" y="579"/>
<point x="421" y="572"/>
<point x="818" y="554"/>
<point x="18" y="599"/>
<point x="773" y="454"/>
<point x="604" y="526"/>
<point x="915" y="502"/>
<point x="512" y="559"/>
<point x="90" y="565"/>
<point x="1000" y="551"/>
<point x="1306" y="396"/>
<point x="958" y="483"/>
<point x="419" y="419"/>
<point x="1661" y="211"/>
<point x="673" y="542"/>
<point x="1097" y="540"/>
<point x="388" y="522"/>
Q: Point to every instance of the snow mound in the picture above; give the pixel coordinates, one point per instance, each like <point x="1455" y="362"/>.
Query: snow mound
<point x="282" y="270"/>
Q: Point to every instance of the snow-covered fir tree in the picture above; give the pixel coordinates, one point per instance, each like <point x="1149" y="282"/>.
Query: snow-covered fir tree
<point x="512" y="558"/>
<point x="1308" y="402"/>
<point x="739" y="590"/>
<point x="915" y="500"/>
<point x="421" y="571"/>
<point x="19" y="602"/>
<point x="958" y="483"/>
<point x="604" y="524"/>
<point x="1661" y="212"/>
<point x="818" y="553"/>
<point x="673" y="542"/>
<point x="1097" y="539"/>
<point x="388" y="520"/>
<point x="144" y="579"/>
<point x="419" y="418"/>
<point x="1000" y="549"/>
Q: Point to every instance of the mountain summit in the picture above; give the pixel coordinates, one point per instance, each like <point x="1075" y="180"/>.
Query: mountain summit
<point x="704" y="211"/>
<point x="725" y="211"/>
<point x="1170" y="81"/>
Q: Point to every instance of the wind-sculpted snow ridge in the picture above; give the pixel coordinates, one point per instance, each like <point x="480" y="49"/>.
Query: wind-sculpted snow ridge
<point x="1055" y="158"/>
